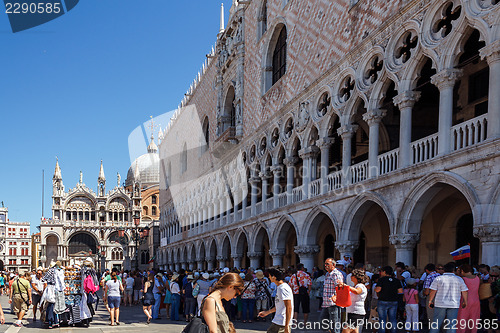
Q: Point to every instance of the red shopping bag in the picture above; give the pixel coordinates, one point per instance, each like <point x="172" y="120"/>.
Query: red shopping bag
<point x="343" y="296"/>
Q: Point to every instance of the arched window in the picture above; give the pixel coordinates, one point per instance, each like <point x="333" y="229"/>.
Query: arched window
<point x="229" y="108"/>
<point x="153" y="199"/>
<point x="205" y="128"/>
<point x="82" y="242"/>
<point x="145" y="210"/>
<point x="184" y="158"/>
<point x="153" y="211"/>
<point x="279" y="56"/>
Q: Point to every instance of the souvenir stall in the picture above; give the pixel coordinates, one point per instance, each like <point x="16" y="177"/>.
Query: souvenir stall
<point x="70" y="295"/>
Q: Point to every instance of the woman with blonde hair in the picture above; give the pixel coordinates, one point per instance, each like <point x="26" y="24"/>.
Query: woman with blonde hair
<point x="228" y="287"/>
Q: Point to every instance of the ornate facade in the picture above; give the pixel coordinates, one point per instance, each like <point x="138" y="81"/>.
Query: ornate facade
<point x="366" y="128"/>
<point x="86" y="223"/>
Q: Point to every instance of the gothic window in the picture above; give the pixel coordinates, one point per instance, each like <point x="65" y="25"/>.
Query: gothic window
<point x="279" y="56"/>
<point x="406" y="45"/>
<point x="153" y="211"/>
<point x="206" y="128"/>
<point x="445" y="23"/>
<point x="347" y="88"/>
<point x="374" y="70"/>
<point x="184" y="159"/>
<point x="153" y="199"/>
<point x="230" y="108"/>
<point x="324" y="103"/>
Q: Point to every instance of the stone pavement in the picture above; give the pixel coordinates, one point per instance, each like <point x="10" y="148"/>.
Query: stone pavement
<point x="132" y="319"/>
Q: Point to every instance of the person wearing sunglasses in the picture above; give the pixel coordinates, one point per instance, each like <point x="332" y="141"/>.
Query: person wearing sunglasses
<point x="228" y="287"/>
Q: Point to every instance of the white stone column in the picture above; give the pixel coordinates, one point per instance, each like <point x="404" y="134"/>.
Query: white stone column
<point x="404" y="244"/>
<point x="445" y="81"/>
<point x="346" y="132"/>
<point x="222" y="261"/>
<point x="308" y="154"/>
<point x="254" y="259"/>
<point x="290" y="172"/>
<point x="237" y="260"/>
<point x="489" y="235"/>
<point x="244" y="204"/>
<point x="200" y="265"/>
<point x="222" y="211"/>
<point x="210" y="262"/>
<point x="236" y="197"/>
<point x="306" y="254"/>
<point x="254" y="183"/>
<point x="324" y="146"/>
<point x="277" y="255"/>
<point x="405" y="102"/>
<point x="264" y="176"/>
<point x="346" y="248"/>
<point x="229" y="208"/>
<point x="373" y="119"/>
<point x="191" y="265"/>
<point x="492" y="54"/>
<point x="277" y="170"/>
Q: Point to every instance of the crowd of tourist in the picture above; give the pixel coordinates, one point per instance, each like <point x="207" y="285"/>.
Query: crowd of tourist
<point x="459" y="298"/>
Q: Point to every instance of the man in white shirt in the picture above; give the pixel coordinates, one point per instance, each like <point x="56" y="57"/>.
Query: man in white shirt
<point x="445" y="298"/>
<point x="283" y="305"/>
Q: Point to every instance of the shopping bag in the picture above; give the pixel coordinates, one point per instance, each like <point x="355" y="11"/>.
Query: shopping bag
<point x="343" y="296"/>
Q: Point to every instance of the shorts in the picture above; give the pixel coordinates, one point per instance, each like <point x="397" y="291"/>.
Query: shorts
<point x="129" y="292"/>
<point x="353" y="319"/>
<point x="18" y="304"/>
<point x="301" y="299"/>
<point x="274" y="328"/>
<point x="114" y="301"/>
<point x="35" y="299"/>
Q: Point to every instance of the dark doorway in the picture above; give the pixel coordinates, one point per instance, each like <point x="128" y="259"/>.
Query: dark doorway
<point x="359" y="254"/>
<point x="465" y="236"/>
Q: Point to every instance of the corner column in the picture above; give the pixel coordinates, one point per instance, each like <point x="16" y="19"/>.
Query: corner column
<point x="404" y="244"/>
<point x="277" y="255"/>
<point x="373" y="119"/>
<point x="290" y="172"/>
<point x="306" y="254"/>
<point x="346" y="248"/>
<point x="489" y="235"/>
<point x="324" y="146"/>
<point x="405" y="102"/>
<point x="445" y="81"/>
<point x="492" y="54"/>
<point x="346" y="132"/>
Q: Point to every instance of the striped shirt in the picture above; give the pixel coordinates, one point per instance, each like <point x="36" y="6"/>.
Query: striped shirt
<point x="430" y="278"/>
<point x="331" y="280"/>
<point x="448" y="290"/>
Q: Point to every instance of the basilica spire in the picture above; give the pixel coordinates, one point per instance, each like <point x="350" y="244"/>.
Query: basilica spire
<point x="152" y="148"/>
<point x="221" y="29"/>
<point x="101" y="174"/>
<point x="57" y="172"/>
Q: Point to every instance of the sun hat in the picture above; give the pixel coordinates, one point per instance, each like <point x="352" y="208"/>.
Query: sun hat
<point x="259" y="274"/>
<point x="174" y="277"/>
<point x="190" y="277"/>
<point x="205" y="276"/>
<point x="225" y="270"/>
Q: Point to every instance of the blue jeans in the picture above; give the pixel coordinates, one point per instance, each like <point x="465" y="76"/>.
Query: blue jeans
<point x="156" y="306"/>
<point x="247" y="305"/>
<point x="385" y="308"/>
<point x="174" y="310"/>
<point x="332" y="314"/>
<point x="439" y="316"/>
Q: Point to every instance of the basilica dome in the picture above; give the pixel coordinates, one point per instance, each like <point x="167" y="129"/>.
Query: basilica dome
<point x="146" y="167"/>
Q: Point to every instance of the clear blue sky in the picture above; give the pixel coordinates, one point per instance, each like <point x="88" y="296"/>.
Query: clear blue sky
<point x="77" y="86"/>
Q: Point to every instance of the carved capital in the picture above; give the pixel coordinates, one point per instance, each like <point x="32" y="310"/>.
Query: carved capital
<point x="254" y="255"/>
<point x="346" y="246"/>
<point x="221" y="258"/>
<point x="446" y="78"/>
<point x="277" y="252"/>
<point x="491" y="52"/>
<point x="374" y="116"/>
<point x="254" y="180"/>
<point x="236" y="256"/>
<point x="265" y="175"/>
<point x="406" y="99"/>
<point x="309" y="152"/>
<point x="346" y="131"/>
<point x="325" y="142"/>
<point x="306" y="249"/>
<point x="291" y="161"/>
<point x="277" y="168"/>
<point x="487" y="232"/>
<point x="404" y="241"/>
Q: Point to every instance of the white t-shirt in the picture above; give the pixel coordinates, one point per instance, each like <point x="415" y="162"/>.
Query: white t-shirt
<point x="449" y="289"/>
<point x="130" y="282"/>
<point x="174" y="288"/>
<point x="283" y="292"/>
<point x="358" y="301"/>
<point x="113" y="288"/>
